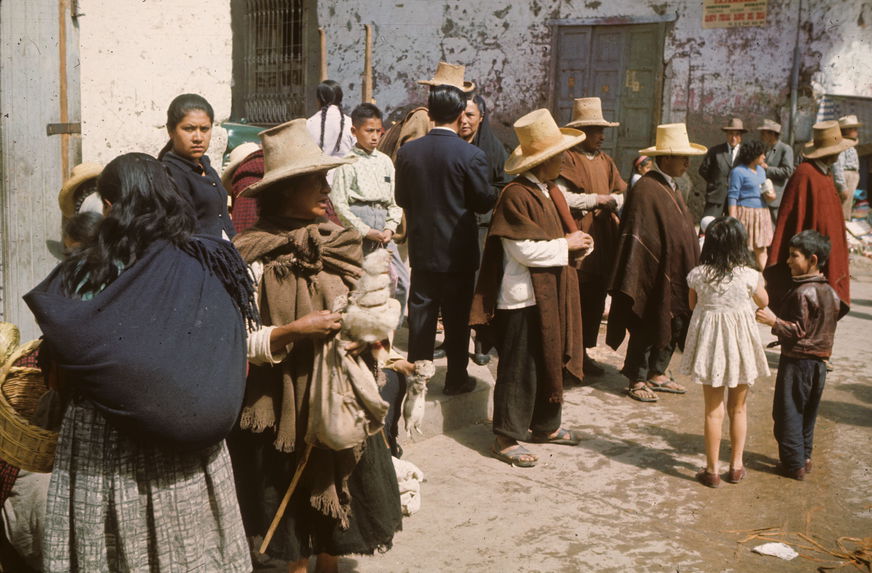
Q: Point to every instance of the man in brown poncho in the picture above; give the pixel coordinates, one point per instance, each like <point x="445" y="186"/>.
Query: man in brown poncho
<point x="528" y="293"/>
<point x="594" y="192"/>
<point x="658" y="246"/>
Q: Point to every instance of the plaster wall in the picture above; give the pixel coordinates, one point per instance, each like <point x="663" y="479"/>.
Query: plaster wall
<point x="136" y="56"/>
<point x="506" y="46"/>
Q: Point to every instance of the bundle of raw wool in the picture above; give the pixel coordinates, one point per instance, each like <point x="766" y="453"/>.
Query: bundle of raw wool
<point x="416" y="394"/>
<point x="372" y="315"/>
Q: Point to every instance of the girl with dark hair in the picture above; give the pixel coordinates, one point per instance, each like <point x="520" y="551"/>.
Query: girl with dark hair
<point x="723" y="348"/>
<point x="144" y="331"/>
<point x="189" y="124"/>
<point x="331" y="127"/>
<point x="744" y="198"/>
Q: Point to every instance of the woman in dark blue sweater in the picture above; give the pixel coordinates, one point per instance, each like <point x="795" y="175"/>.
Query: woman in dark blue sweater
<point x="189" y="125"/>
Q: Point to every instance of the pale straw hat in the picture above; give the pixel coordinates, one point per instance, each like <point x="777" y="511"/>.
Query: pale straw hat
<point x="849" y="121"/>
<point x="288" y="151"/>
<point x="735" y="124"/>
<point x="449" y="75"/>
<point x="237" y="156"/>
<point x="540" y="139"/>
<point x="82" y="173"/>
<point x="672" y="139"/>
<point x="827" y="140"/>
<point x="588" y="112"/>
<point x="769" y="125"/>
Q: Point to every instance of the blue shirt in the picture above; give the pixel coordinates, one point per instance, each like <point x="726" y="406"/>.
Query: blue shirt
<point x="745" y="187"/>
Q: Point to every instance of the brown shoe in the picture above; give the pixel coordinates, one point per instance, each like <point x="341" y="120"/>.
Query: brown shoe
<point x="735" y="476"/>
<point x="798" y="474"/>
<point x="808" y="466"/>
<point x="708" y="479"/>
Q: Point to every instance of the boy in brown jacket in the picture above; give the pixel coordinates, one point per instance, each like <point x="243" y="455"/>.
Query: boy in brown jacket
<point x="805" y="326"/>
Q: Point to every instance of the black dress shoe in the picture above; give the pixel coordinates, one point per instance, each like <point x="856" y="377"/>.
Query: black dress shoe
<point x="481" y="359"/>
<point x="469" y="386"/>
<point x="438" y="353"/>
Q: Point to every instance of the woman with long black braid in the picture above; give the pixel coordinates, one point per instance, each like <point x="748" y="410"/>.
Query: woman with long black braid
<point x="330" y="127"/>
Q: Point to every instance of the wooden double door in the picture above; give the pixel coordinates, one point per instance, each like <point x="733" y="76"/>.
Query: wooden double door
<point x="623" y="66"/>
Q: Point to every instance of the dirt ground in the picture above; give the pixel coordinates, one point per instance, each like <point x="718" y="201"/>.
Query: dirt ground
<point x="625" y="499"/>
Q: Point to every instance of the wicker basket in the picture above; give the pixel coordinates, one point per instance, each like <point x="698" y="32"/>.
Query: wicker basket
<point x="22" y="444"/>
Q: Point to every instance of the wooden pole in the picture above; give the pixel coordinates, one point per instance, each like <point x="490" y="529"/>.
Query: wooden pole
<point x="280" y="512"/>
<point x="322" y="35"/>
<point x="63" y="99"/>
<point x="366" y="96"/>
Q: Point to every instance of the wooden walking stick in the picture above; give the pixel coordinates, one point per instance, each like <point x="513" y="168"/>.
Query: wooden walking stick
<point x="322" y="36"/>
<point x="280" y="512"/>
<point x="367" y="66"/>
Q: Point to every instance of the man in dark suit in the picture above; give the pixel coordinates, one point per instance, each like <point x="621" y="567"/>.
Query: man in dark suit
<point x="442" y="182"/>
<point x="716" y="166"/>
<point x="779" y="162"/>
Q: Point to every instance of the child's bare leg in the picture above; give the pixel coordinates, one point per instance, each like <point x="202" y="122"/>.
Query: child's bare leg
<point x="714" y="420"/>
<point x="326" y="563"/>
<point x="738" y="423"/>
<point x="301" y="566"/>
<point x="760" y="256"/>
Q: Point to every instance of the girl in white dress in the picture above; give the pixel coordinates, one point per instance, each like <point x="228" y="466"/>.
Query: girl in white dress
<point x="723" y="348"/>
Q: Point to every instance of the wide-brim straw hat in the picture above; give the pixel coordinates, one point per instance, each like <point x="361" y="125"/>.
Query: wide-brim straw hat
<point x="539" y="139"/>
<point x="769" y="125"/>
<point x="827" y="140"/>
<point x="289" y="151"/>
<point x="449" y="75"/>
<point x="237" y="156"/>
<point x="588" y="112"/>
<point x="849" y="121"/>
<point x="82" y="173"/>
<point x="735" y="124"/>
<point x="672" y="139"/>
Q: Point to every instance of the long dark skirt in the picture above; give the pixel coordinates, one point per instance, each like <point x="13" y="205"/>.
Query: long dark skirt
<point x="263" y="475"/>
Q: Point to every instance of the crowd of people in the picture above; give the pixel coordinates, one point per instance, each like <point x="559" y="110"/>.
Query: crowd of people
<point x="187" y="341"/>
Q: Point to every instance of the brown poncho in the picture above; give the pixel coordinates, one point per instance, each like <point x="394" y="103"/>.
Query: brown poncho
<point x="523" y="212"/>
<point x="658" y="246"/>
<point x="305" y="267"/>
<point x="598" y="175"/>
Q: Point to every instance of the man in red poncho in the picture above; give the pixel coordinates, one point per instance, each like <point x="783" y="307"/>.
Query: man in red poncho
<point x="810" y="201"/>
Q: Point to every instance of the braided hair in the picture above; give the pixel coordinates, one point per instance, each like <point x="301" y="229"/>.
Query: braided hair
<point x="329" y="93"/>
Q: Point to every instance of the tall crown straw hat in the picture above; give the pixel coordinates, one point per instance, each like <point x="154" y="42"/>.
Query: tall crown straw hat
<point x="769" y="125"/>
<point x="539" y="140"/>
<point x="288" y="151"/>
<point x="449" y="75"/>
<point x="827" y="140"/>
<point x="672" y="139"/>
<point x="588" y="112"/>
<point x="237" y="156"/>
<point x="849" y="121"/>
<point x="82" y="173"/>
<point x="735" y="124"/>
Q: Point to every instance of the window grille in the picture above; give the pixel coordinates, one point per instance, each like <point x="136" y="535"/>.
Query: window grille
<point x="274" y="70"/>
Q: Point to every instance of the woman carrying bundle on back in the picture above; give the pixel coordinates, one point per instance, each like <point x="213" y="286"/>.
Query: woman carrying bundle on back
<point x="145" y="328"/>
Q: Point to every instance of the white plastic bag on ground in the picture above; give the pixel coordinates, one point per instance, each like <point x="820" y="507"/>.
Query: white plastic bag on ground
<point x="780" y="550"/>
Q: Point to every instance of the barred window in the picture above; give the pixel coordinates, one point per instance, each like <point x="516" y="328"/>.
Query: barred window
<point x="270" y="60"/>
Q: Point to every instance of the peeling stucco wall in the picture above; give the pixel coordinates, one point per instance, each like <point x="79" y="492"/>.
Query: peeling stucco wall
<point x="709" y="74"/>
<point x="136" y="56"/>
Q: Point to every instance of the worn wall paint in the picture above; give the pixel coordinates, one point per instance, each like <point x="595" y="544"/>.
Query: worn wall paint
<point x="506" y="46"/>
<point x="136" y="56"/>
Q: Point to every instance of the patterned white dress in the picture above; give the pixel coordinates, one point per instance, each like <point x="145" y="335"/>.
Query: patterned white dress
<point x="723" y="345"/>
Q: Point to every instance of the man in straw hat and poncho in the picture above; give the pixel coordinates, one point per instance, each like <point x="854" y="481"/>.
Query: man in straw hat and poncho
<point x="811" y="201"/>
<point x="595" y="194"/>
<point x="528" y="294"/>
<point x="658" y="246"/>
